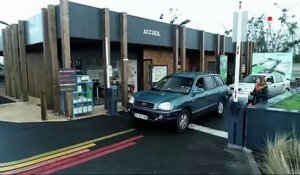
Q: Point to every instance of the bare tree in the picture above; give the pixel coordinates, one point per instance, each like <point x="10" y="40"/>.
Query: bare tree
<point x="173" y="14"/>
<point x="269" y="38"/>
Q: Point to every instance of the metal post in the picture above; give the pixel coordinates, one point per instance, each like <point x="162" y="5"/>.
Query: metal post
<point x="107" y="61"/>
<point x="237" y="104"/>
<point x="175" y="48"/>
<point x="183" y="49"/>
<point x="202" y="52"/>
<point x="237" y="55"/>
<point x="124" y="58"/>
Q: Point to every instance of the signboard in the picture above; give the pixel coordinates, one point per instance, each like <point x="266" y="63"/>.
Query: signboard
<point x="273" y="63"/>
<point x="244" y="16"/>
<point x="159" y="72"/>
<point x="110" y="71"/>
<point x="223" y="67"/>
<point x="151" y="32"/>
<point x="67" y="80"/>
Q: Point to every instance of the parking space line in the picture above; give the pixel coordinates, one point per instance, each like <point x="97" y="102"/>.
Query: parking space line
<point x="35" y="161"/>
<point x="2" y="165"/>
<point x="207" y="130"/>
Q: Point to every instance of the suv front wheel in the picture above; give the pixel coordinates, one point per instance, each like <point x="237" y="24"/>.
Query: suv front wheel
<point x="183" y="121"/>
<point x="220" y="108"/>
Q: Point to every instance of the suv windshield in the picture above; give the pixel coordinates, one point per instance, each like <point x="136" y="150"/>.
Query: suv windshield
<point x="175" y="84"/>
<point x="250" y="79"/>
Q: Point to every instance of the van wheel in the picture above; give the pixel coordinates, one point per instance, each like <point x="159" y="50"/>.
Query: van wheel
<point x="286" y="90"/>
<point x="220" y="108"/>
<point x="183" y="121"/>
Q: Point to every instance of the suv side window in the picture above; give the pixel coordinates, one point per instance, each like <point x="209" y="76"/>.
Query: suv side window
<point x="278" y="79"/>
<point x="209" y="83"/>
<point x="200" y="83"/>
<point x="219" y="80"/>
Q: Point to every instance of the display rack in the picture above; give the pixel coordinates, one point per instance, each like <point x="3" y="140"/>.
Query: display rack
<point x="82" y="102"/>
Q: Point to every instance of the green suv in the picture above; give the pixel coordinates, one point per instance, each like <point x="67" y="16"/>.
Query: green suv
<point x="180" y="97"/>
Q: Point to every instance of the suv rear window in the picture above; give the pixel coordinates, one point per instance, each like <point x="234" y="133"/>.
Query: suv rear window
<point x="219" y="80"/>
<point x="209" y="83"/>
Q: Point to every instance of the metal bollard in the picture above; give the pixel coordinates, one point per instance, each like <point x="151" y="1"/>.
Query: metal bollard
<point x="236" y="113"/>
<point x="112" y="100"/>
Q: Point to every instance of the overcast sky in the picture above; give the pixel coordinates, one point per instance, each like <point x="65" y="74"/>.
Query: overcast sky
<point x="209" y="15"/>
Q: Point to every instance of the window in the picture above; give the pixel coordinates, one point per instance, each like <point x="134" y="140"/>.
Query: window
<point x="250" y="79"/>
<point x="175" y="84"/>
<point x="278" y="79"/>
<point x="209" y="83"/>
<point x="219" y="81"/>
<point x="270" y="79"/>
<point x="200" y="83"/>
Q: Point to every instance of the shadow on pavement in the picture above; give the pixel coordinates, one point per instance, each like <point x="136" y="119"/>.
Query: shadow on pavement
<point x="4" y="100"/>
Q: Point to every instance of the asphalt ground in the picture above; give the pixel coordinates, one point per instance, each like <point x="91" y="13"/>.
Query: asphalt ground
<point x="160" y="151"/>
<point x="213" y="121"/>
<point x="4" y="100"/>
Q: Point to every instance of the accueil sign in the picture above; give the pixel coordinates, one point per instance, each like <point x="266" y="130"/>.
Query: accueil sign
<point x="151" y="32"/>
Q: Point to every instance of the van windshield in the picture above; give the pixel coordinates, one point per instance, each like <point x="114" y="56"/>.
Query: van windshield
<point x="175" y="84"/>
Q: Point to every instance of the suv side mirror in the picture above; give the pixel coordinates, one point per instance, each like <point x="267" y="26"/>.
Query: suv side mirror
<point x="198" y="90"/>
<point x="154" y="84"/>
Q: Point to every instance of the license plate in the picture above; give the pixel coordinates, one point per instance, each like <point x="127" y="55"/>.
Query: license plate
<point x="141" y="116"/>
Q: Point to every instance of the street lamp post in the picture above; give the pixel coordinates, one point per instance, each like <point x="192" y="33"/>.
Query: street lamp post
<point x="184" y="22"/>
<point x="5" y="23"/>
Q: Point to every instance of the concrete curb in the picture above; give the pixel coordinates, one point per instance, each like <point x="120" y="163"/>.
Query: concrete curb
<point x="252" y="162"/>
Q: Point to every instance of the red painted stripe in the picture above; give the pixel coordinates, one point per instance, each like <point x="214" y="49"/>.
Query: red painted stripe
<point x="46" y="162"/>
<point x="80" y="161"/>
<point x="81" y="156"/>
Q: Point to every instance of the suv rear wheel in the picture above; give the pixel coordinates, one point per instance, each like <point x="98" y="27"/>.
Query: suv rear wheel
<point x="183" y="121"/>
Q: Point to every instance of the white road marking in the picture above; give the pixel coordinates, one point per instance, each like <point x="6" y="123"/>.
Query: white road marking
<point x="207" y="130"/>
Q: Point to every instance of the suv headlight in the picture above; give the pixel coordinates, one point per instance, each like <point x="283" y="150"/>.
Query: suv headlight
<point x="165" y="106"/>
<point x="131" y="100"/>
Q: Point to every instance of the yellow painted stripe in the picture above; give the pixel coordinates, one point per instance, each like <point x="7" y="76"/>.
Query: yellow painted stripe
<point x="24" y="164"/>
<point x="64" y="149"/>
